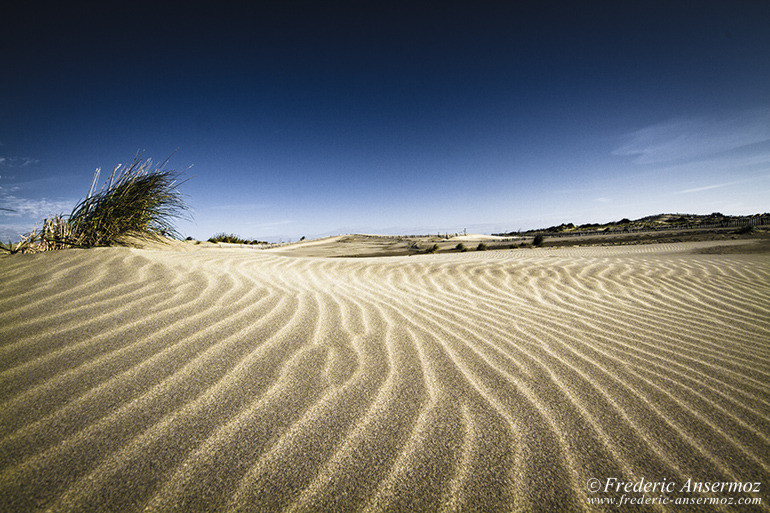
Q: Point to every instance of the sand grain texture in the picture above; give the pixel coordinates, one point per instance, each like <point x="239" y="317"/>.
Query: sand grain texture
<point x="236" y="380"/>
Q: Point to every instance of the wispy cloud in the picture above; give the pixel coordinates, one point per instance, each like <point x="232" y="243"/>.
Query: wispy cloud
<point x="680" y="140"/>
<point x="720" y="185"/>
<point x="21" y="215"/>
<point x="36" y="209"/>
<point x="708" y="187"/>
<point x="10" y="162"/>
<point x="11" y="232"/>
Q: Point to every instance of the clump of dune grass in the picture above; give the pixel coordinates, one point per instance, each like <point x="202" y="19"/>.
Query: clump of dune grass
<point x="138" y="198"/>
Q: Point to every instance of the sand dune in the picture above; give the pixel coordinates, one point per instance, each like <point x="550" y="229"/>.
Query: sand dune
<point x="234" y="379"/>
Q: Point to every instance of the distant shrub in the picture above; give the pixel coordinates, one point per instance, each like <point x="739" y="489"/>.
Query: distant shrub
<point x="538" y="240"/>
<point x="745" y="229"/>
<point x="432" y="249"/>
<point x="228" y="237"/>
<point x="481" y="247"/>
<point x="461" y="247"/>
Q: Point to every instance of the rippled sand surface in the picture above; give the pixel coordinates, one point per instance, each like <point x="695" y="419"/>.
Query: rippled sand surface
<point x="233" y="379"/>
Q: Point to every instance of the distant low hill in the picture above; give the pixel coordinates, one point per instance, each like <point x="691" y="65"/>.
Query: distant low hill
<point x="655" y="222"/>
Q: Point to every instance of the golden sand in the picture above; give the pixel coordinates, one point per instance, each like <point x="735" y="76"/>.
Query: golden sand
<point x="240" y="379"/>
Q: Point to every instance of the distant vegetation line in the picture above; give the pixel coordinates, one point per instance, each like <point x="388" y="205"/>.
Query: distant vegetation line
<point x="232" y="239"/>
<point x="651" y="223"/>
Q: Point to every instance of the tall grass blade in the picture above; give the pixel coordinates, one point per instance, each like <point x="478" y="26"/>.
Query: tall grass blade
<point x="94" y="182"/>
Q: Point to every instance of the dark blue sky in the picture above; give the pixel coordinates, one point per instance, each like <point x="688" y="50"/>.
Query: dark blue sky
<point x="305" y="118"/>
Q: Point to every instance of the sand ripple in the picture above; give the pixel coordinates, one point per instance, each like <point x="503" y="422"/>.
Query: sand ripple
<point x="244" y="380"/>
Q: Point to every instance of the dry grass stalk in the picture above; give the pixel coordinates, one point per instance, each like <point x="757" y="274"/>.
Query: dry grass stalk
<point x="56" y="233"/>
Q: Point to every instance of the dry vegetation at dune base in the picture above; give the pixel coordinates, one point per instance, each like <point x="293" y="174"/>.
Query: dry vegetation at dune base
<point x="228" y="377"/>
<point x="138" y="199"/>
